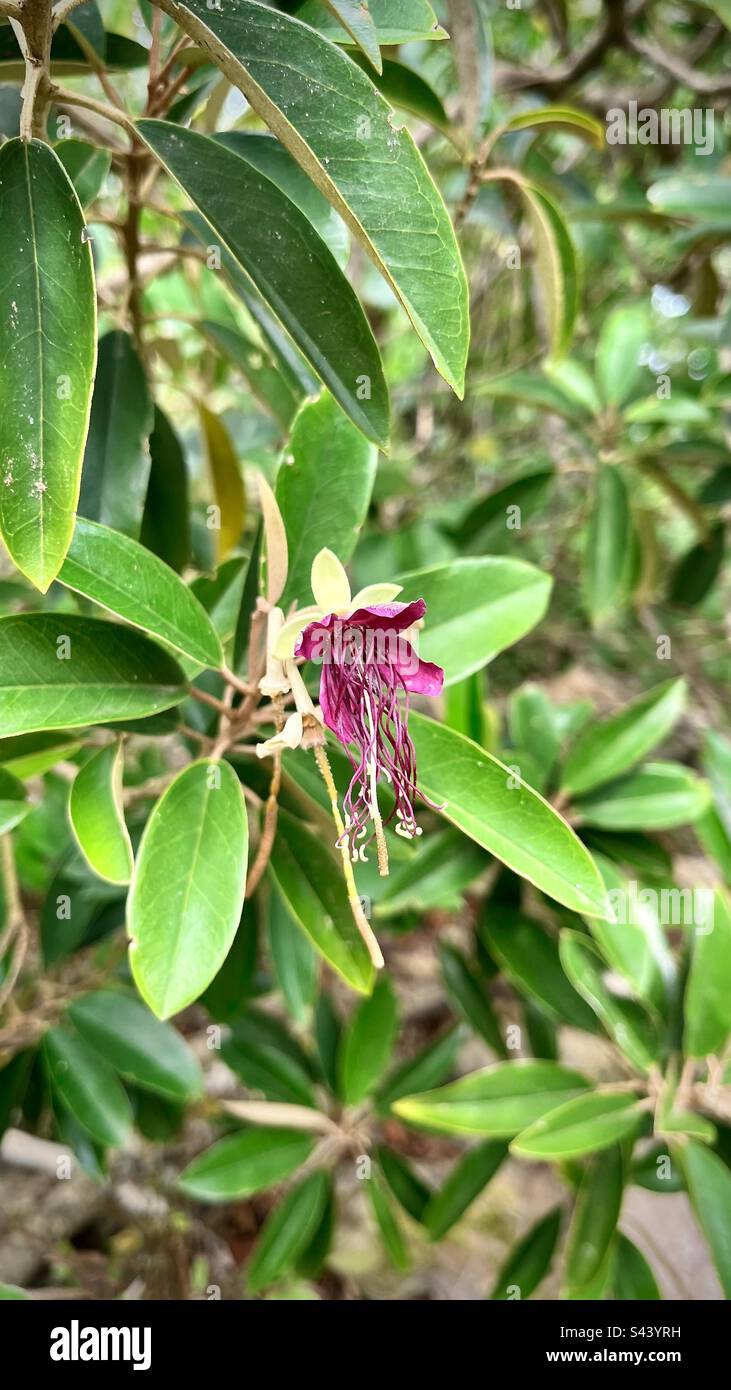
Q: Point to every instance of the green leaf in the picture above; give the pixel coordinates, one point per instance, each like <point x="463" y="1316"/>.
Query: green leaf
<point x="117" y="457"/>
<point x="120" y="575"/>
<point x="658" y="796"/>
<point x="242" y="1164"/>
<point x="633" y="1280"/>
<point x="607" y="547"/>
<point x="556" y="265"/>
<point x="370" y="170"/>
<point x="324" y="488"/>
<point x="387" y="1223"/>
<point x="396" y="21"/>
<point x="137" y="1045"/>
<point x="13" y="805"/>
<point x="530" y="1260"/>
<point x="428" y="1068"/>
<point x="48" y="305"/>
<point x="323" y="315"/>
<point x="468" y="1178"/>
<point x="356" y="19"/>
<point x="708" y="992"/>
<point x="530" y="959"/>
<point x="532" y="390"/>
<point x="188" y="886"/>
<point x="611" y="746"/>
<point x="632" y="940"/>
<point x="226" y="481"/>
<point x="412" y="1194"/>
<point x="698" y="569"/>
<point x="717" y="766"/>
<point x="559" y="118"/>
<point x="572" y="377"/>
<point x="86" y="165"/>
<point x="490" y="516"/>
<point x="594" y="1220"/>
<point x="367" y="1044"/>
<point x="618" y="371"/>
<point x="435" y="875"/>
<point x="499" y="1100"/>
<point x="110" y="673"/>
<point x="88" y="1086"/>
<point x="623" y="1019"/>
<point x="294" y="961"/>
<point x="581" y="1126"/>
<point x="475" y="609"/>
<point x="311" y="883"/>
<point x="271" y="159"/>
<point x="694" y="195"/>
<point x="287" y="1231"/>
<point x="30" y="755"/>
<point x="165" y="526"/>
<point x="270" y="387"/>
<point x="96" y="813"/>
<point x="513" y="823"/>
<point x="467" y="993"/>
<point x="709" y="1185"/>
<point x="12" y="1292"/>
<point x="404" y="88"/>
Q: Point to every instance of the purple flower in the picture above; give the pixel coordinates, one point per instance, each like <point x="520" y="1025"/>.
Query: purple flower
<point x="369" y="670"/>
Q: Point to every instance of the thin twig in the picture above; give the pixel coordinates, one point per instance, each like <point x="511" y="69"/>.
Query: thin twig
<point x="356" y="906"/>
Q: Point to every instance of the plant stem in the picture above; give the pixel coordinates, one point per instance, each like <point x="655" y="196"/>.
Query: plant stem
<point x="33" y="28"/>
<point x="356" y="907"/>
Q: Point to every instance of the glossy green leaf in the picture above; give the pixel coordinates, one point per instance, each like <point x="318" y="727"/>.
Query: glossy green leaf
<point x="608" y="748"/>
<point x="368" y="168"/>
<point x="311" y="883"/>
<point x="117" y="457"/>
<point x="442" y="866"/>
<point x="581" y="1126"/>
<point x="694" y="195"/>
<point x="88" y="1086"/>
<point x="226" y="481"/>
<point x="427" y="1069"/>
<point x="287" y="1231"/>
<point x="632" y="939"/>
<point x="488" y="519"/>
<point x="696" y="571"/>
<point x="264" y="1064"/>
<point x="717" y="766"/>
<point x="709" y="1186"/>
<point x="356" y="19"/>
<point x="607" y="548"/>
<point x="532" y="390"/>
<point x="242" y="1164"/>
<point x="188" y="886"/>
<point x="165" y="526"/>
<point x="513" y="823"/>
<point x="633" y="1281"/>
<point x="530" y="1260"/>
<point x="120" y="575"/>
<point x="387" y="1223"/>
<point x="396" y="21"/>
<point x="658" y="796"/>
<point x="367" y="1044"/>
<point x="623" y="1019"/>
<point x="529" y="957"/>
<point x="124" y="1032"/>
<point x="556" y="265"/>
<point x="13" y="805"/>
<point x="410" y="1192"/>
<point x="270" y="158"/>
<point x="30" y="755"/>
<point x="324" y="488"/>
<point x="594" y="1220"/>
<point x="468" y="1178"/>
<point x="294" y="961"/>
<point x="96" y="813"/>
<point x="623" y="334"/>
<point x="86" y="165"/>
<point x="466" y="991"/>
<point x="48" y="307"/>
<point x="324" y="316"/>
<point x="407" y="90"/>
<point x="708" y="992"/>
<point x="559" y="118"/>
<point x="59" y="671"/>
<point x="475" y="608"/>
<point x="268" y="385"/>
<point x="499" y="1100"/>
